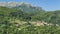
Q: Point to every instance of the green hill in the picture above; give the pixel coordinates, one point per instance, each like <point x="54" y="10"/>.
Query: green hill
<point x="16" y="21"/>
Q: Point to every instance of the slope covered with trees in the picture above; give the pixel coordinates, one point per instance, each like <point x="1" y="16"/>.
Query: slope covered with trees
<point x="10" y="21"/>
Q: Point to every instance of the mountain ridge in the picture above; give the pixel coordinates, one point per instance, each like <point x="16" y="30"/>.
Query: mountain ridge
<point x="22" y="6"/>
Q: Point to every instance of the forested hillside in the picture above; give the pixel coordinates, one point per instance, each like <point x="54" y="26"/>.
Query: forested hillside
<point x="29" y="20"/>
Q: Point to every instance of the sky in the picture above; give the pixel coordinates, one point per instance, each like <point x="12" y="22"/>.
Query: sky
<point x="48" y="5"/>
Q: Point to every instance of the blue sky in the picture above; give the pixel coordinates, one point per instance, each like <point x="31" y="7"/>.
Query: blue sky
<point x="47" y="5"/>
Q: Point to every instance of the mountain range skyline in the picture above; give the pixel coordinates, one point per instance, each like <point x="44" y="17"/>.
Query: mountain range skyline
<point x="13" y="4"/>
<point x="48" y="5"/>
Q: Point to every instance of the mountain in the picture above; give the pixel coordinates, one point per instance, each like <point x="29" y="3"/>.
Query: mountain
<point x="26" y="7"/>
<point x="24" y="18"/>
<point x="29" y="8"/>
<point x="34" y="13"/>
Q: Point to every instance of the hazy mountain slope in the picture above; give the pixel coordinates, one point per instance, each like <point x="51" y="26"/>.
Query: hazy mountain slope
<point x="26" y="7"/>
<point x="29" y="8"/>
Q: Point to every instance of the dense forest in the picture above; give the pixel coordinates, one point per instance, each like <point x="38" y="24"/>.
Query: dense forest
<point x="29" y="20"/>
